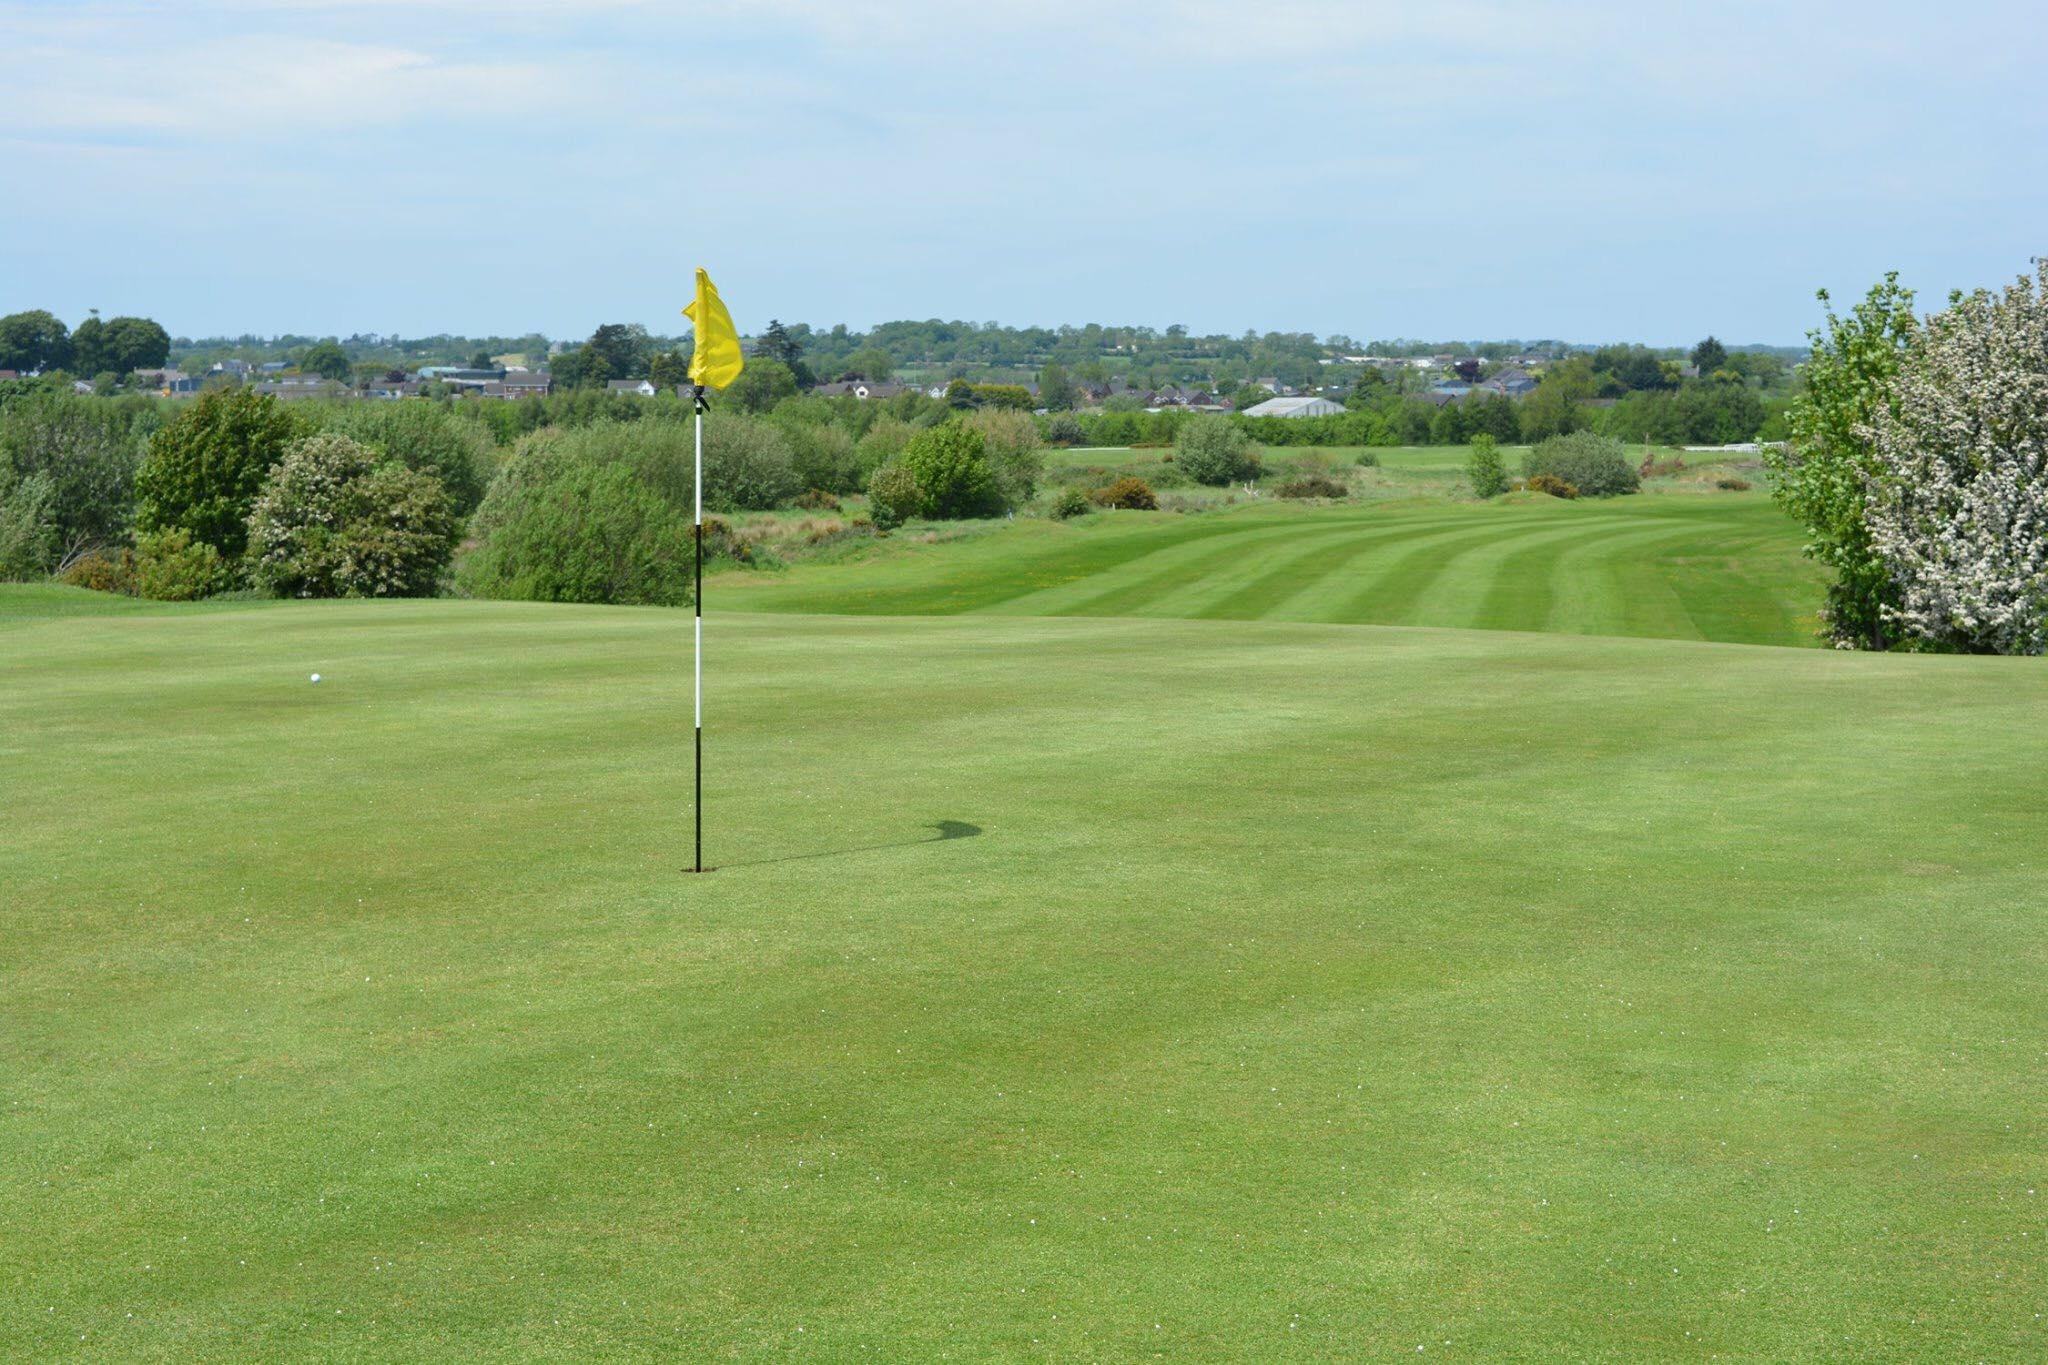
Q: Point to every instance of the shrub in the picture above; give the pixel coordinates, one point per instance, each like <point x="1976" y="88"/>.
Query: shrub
<point x="204" y="469"/>
<point x="884" y="440"/>
<point x="427" y="437"/>
<point x="102" y="571"/>
<point x="1732" y="483"/>
<point x="28" y="525"/>
<point x="817" y="500"/>
<point x="894" y="496"/>
<point x="1070" y="502"/>
<point x="1551" y="484"/>
<point x="1959" y="511"/>
<point x="1367" y="460"/>
<point x="87" y="449"/>
<point x="1064" y="429"/>
<point x="1595" y="465"/>
<point x="335" y="521"/>
<point x="561" y="528"/>
<point x="747" y="463"/>
<point x="1483" y="467"/>
<point x="1312" y="486"/>
<point x="1130" y="494"/>
<point x="1214" y="450"/>
<point x="954" y="480"/>
<point x="1010" y="441"/>
<point x="824" y="457"/>
<point x="176" y="566"/>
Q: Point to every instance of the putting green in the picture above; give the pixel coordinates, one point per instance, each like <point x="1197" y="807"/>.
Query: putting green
<point x="1683" y="566"/>
<point x="1307" y="991"/>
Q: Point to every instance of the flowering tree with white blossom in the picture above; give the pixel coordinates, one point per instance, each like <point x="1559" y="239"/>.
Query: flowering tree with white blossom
<point x="1957" y="507"/>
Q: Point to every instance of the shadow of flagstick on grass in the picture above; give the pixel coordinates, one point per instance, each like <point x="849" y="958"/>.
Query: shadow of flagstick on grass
<point x="946" y="830"/>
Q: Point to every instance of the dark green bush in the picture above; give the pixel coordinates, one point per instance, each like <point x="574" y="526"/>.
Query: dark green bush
<point x="87" y="449"/>
<point x="1214" y="450"/>
<point x="1064" y="429"/>
<point x="1595" y="465"/>
<point x="204" y="469"/>
<point x="1551" y="484"/>
<point x="1070" y="502"/>
<point x="954" y="479"/>
<point x="560" y="529"/>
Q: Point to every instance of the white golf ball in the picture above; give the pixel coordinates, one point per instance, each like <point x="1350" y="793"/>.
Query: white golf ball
<point x="316" y="677"/>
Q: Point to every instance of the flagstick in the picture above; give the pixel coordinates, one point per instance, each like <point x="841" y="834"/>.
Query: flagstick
<point x="697" y="652"/>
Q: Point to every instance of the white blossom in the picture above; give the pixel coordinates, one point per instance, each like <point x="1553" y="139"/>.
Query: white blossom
<point x="1958" y="510"/>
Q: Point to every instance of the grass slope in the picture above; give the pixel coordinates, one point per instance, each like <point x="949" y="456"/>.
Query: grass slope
<point x="1307" y="992"/>
<point x="1724" y="567"/>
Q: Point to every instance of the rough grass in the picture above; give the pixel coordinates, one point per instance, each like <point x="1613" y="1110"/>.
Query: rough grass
<point x="1724" y="567"/>
<point x="1308" y="992"/>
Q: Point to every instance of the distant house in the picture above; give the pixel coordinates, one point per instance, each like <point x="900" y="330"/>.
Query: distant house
<point x="1302" y="406"/>
<point x="1512" y="381"/>
<point x="526" y="384"/>
<point x="394" y="389"/>
<point x="77" y="385"/>
<point x="271" y="367"/>
<point x="639" y="388"/>
<point x="861" y="388"/>
<point x="10" y="374"/>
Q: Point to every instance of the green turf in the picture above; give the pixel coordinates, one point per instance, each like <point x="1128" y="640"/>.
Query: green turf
<point x="1307" y="992"/>
<point x="1724" y="567"/>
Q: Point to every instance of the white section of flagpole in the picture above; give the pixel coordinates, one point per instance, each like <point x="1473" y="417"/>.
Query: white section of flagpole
<point x="697" y="648"/>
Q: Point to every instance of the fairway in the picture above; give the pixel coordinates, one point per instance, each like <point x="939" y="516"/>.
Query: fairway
<point x="1681" y="566"/>
<point x="1284" y="990"/>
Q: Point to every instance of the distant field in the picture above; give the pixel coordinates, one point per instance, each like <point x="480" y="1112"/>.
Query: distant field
<point x="1286" y="991"/>
<point x="1723" y="567"/>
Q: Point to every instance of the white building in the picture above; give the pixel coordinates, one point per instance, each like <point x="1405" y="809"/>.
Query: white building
<point x="1303" y="406"/>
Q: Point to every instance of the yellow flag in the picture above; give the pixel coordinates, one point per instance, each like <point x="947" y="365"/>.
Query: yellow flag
<point x="717" y="360"/>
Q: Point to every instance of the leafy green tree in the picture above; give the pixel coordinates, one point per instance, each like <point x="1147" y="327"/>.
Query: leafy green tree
<point x="33" y="341"/>
<point x="567" y="530"/>
<point x="870" y="363"/>
<point x="1557" y="406"/>
<point x="1214" y="450"/>
<point x="332" y="520"/>
<point x="614" y="351"/>
<point x="1484" y="468"/>
<point x="205" y="468"/>
<point x="326" y="358"/>
<point x="1825" y="472"/>
<point x="90" y="353"/>
<point x="87" y="452"/>
<point x="951" y="468"/>
<point x="1056" y="392"/>
<point x="481" y="361"/>
<point x="762" y="384"/>
<point x="777" y="344"/>
<point x="1014" y="451"/>
<point x="1709" y="356"/>
<point x="28" y="525"/>
<point x="133" y="344"/>
<point x="670" y="370"/>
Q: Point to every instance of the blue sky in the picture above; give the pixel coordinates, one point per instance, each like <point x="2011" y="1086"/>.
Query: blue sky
<point x="1594" y="171"/>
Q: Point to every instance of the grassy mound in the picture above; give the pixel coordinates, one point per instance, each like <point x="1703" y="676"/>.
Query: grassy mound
<point x="1283" y="990"/>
